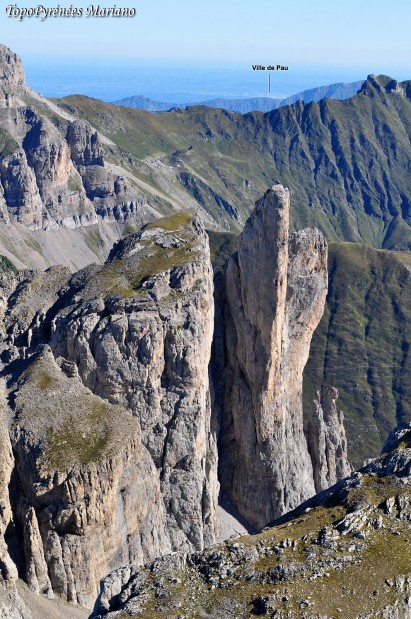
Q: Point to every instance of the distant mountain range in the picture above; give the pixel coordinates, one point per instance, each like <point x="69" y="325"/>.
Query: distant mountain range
<point x="346" y="162"/>
<point x="340" y="91"/>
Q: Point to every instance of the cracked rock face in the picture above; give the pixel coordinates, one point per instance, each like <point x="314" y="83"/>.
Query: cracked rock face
<point x="12" y="77"/>
<point x="85" y="490"/>
<point x="84" y="143"/>
<point x="111" y="413"/>
<point x="149" y="352"/>
<point x="327" y="442"/>
<point x="272" y="294"/>
<point x="52" y="174"/>
<point x="114" y="452"/>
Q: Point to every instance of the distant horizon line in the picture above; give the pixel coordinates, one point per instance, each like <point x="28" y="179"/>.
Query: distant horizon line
<point x="210" y="64"/>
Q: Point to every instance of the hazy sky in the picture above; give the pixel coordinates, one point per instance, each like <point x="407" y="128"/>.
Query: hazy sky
<point x="369" y="34"/>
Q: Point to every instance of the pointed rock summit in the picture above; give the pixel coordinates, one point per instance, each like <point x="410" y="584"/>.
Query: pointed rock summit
<point x="274" y="291"/>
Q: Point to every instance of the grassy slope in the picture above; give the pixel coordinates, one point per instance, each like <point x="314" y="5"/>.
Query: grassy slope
<point x="347" y="163"/>
<point x="362" y="344"/>
<point x="71" y="426"/>
<point x="302" y="564"/>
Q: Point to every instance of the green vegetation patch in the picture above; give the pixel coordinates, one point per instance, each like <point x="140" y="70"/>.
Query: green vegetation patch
<point x="67" y="423"/>
<point x="304" y="573"/>
<point x="94" y="242"/>
<point x="34" y="244"/>
<point x="160" y="259"/>
<point x="130" y="229"/>
<point x="125" y="277"/>
<point x="81" y="440"/>
<point x="6" y="265"/>
<point x="8" y="144"/>
<point x="74" y="184"/>
<point x="43" y="380"/>
<point x="171" y="223"/>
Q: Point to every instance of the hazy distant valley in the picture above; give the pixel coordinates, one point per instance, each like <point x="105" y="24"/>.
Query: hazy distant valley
<point x="244" y="105"/>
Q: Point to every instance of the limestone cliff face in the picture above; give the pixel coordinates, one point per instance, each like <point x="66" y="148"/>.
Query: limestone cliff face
<point x="52" y="172"/>
<point x="326" y="439"/>
<point x="12" y="78"/>
<point x="21" y="196"/>
<point x="149" y="351"/>
<point x="273" y="293"/>
<point x="84" y="144"/>
<point x="111" y="426"/>
<point x="86" y="492"/>
<point x="8" y="570"/>
<point x="114" y="453"/>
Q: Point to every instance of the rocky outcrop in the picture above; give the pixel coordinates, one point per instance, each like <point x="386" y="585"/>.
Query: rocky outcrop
<point x="8" y="570"/>
<point x="146" y="346"/>
<point x="353" y="534"/>
<point x="52" y="173"/>
<point x="272" y="294"/>
<point x="327" y="443"/>
<point x="19" y="190"/>
<point x="86" y="489"/>
<point x="114" y="449"/>
<point x="12" y="78"/>
<point x="12" y="606"/>
<point x="84" y="144"/>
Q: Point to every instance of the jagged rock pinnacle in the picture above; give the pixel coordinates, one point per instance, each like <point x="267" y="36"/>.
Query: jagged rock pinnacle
<point x="275" y="290"/>
<point x="12" y="76"/>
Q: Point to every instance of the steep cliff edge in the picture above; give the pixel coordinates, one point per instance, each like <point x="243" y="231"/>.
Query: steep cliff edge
<point x="85" y="491"/>
<point x="272" y="295"/>
<point x="113" y="453"/>
<point x="12" y="78"/>
<point x="140" y="334"/>
<point x="53" y="176"/>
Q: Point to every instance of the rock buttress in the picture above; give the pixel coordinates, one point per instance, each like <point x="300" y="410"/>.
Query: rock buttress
<point x="108" y="398"/>
<point x="140" y="331"/>
<point x="271" y="297"/>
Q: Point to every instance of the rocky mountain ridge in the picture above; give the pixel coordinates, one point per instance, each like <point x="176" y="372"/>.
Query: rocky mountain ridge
<point x="50" y="178"/>
<point x="115" y="433"/>
<point x="345" y="162"/>
<point x="202" y="159"/>
<point x="54" y="176"/>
